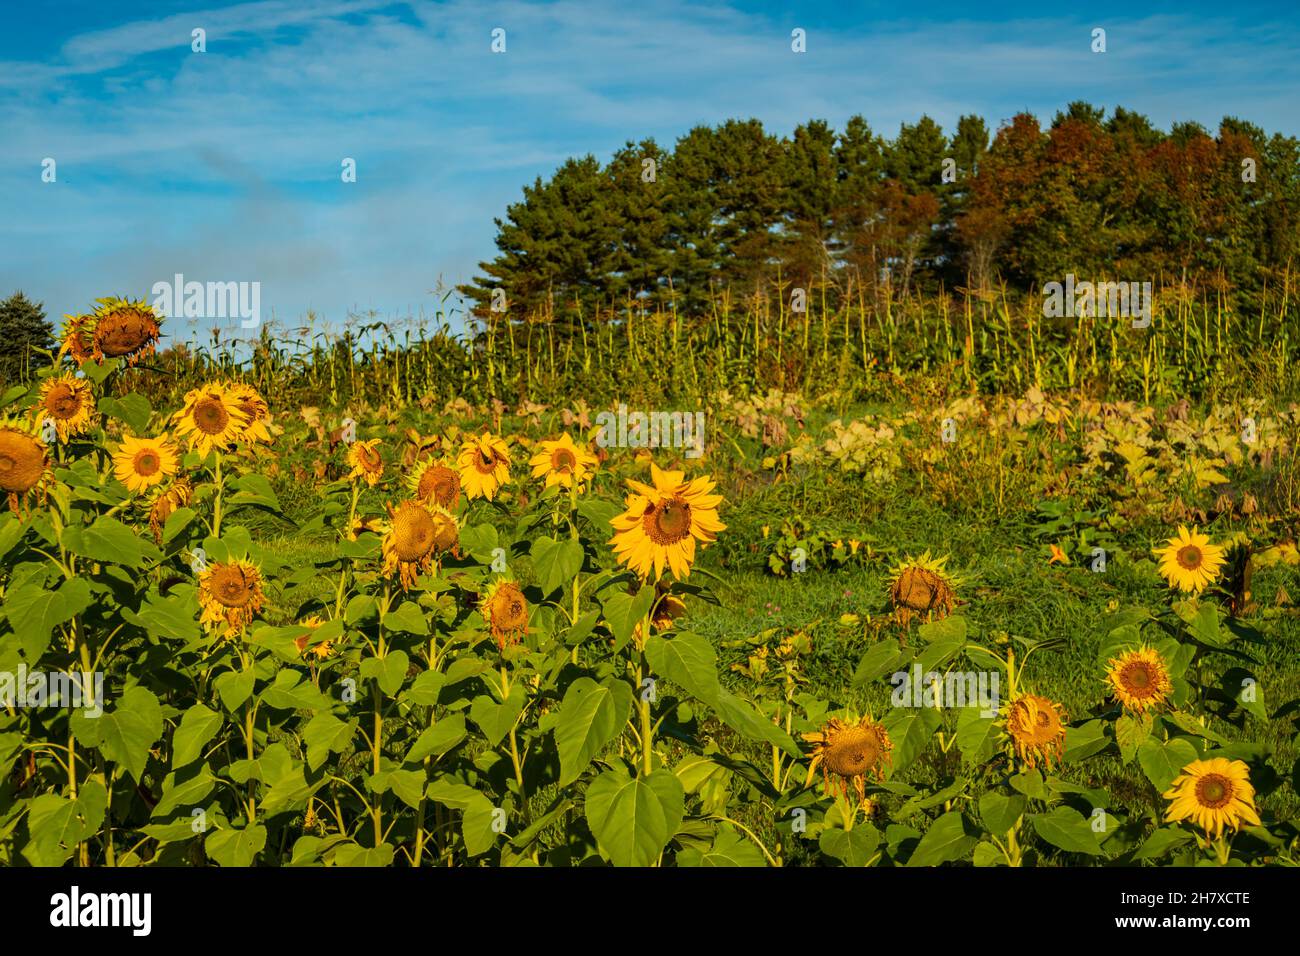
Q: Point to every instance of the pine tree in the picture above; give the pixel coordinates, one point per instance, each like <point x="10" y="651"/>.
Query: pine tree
<point x="23" y="328"/>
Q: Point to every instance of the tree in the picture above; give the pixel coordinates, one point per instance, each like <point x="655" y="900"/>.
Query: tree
<point x="23" y="328"/>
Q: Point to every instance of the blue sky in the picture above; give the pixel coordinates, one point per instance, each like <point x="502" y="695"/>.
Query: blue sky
<point x="224" y="165"/>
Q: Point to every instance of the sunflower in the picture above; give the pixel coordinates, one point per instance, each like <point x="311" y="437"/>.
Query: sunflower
<point x="1190" y="561"/>
<point x="849" y="751"/>
<point x="663" y="521"/>
<point x="667" y="609"/>
<point x="322" y="650"/>
<point x="920" y="587"/>
<point x="141" y="463"/>
<point x="177" y="496"/>
<point x="211" y="418"/>
<point x="230" y="592"/>
<point x="68" y="402"/>
<point x="257" y="415"/>
<point x="562" y="462"/>
<point x="24" y="462"/>
<point x="1036" y="726"/>
<point x="1139" y="679"/>
<point x="505" y="609"/>
<point x="1213" y="794"/>
<point x="484" y="464"/>
<point x="118" y="328"/>
<point x="416" y="533"/>
<point x="436" y="482"/>
<point x="366" y="462"/>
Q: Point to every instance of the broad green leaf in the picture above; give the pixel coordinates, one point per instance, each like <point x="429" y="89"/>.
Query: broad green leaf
<point x="1001" y="811"/>
<point x="729" y="849"/>
<point x="199" y="725"/>
<point x="1162" y="762"/>
<point x="945" y="842"/>
<point x="235" y="848"/>
<point x="853" y="847"/>
<point x="591" y="716"/>
<point x="556" y="563"/>
<point x="633" y="818"/>
<point x="130" y="729"/>
<point x="623" y="612"/>
<point x="186" y="793"/>
<point x="1068" y="829"/>
<point x="880" y="659"/>
<point x="438" y="739"/>
<point x="34" y="612"/>
<point x="688" y="660"/>
<point x="326" y="734"/>
<point x="497" y="720"/>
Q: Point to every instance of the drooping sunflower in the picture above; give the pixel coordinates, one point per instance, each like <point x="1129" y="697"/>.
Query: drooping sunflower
<point x="257" y="414"/>
<point x="177" y="496"/>
<point x="666" y="610"/>
<point x="484" y="463"/>
<point x="436" y="482"/>
<point x="1214" y="794"/>
<point x="416" y="534"/>
<point x="1036" y="726"/>
<point x="142" y="463"/>
<point x="1139" y="679"/>
<point x="68" y="402"/>
<point x="24" y="463"/>
<point x="662" y="522"/>
<point x="562" y="462"/>
<point x="1190" y="562"/>
<point x="505" y="609"/>
<point x="210" y="418"/>
<point x="849" y="752"/>
<point x="118" y="328"/>
<point x="230" y="593"/>
<point x="365" y="461"/>
<point x="920" y="587"/>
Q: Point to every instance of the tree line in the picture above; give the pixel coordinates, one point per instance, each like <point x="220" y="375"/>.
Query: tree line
<point x="733" y="208"/>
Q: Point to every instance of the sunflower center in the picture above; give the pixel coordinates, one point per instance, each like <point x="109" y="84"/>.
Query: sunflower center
<point x="853" y="752"/>
<point x="146" y="462"/>
<point x="668" y="522"/>
<point x="210" y="415"/>
<point x="21" y="462"/>
<point x="562" y="460"/>
<point x="1137" y="678"/>
<point x="918" y="589"/>
<point x="1214" y="791"/>
<point x="485" y="461"/>
<point x="509" y="609"/>
<point x="122" y="333"/>
<point x="62" y="402"/>
<point x="1190" y="557"/>
<point x="413" y="534"/>
<point x="232" y="587"/>
<point x="439" y="482"/>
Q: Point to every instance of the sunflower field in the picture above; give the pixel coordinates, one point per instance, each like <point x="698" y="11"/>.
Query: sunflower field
<point x="1038" y="628"/>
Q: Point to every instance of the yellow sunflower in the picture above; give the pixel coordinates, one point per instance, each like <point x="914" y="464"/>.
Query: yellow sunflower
<point x="1214" y="794"/>
<point x="211" y="418"/>
<point x="920" y="587"/>
<point x="663" y="521"/>
<point x="323" y="649"/>
<point x="436" y="482"/>
<point x="667" y="609"/>
<point x="177" y="496"/>
<point x="849" y="752"/>
<point x="1036" y="726"/>
<point x="230" y="593"/>
<point x="1190" y="562"/>
<point x="24" y="463"/>
<point x="141" y="463"/>
<point x="562" y="462"/>
<point x="68" y="402"/>
<point x="257" y="414"/>
<point x="1139" y="679"/>
<point x="366" y="462"/>
<point x="505" y="609"/>
<point x="484" y="463"/>
<point x="118" y="328"/>
<point x="415" y="535"/>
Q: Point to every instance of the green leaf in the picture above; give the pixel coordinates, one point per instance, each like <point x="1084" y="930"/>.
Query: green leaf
<point x="289" y="691"/>
<point x="326" y="734"/>
<point x="254" y="490"/>
<point x="1067" y="829"/>
<point x="407" y="784"/>
<point x="438" y="739"/>
<point x="1084" y="741"/>
<point x="388" y="672"/>
<point x="556" y="563"/>
<point x="633" y="818"/>
<point x="742" y="718"/>
<point x="234" y="687"/>
<point x="109" y="541"/>
<point x="408" y="619"/>
<point x="57" y="824"/>
<point x="976" y="735"/>
<point x="185" y="793"/>
<point x="1130" y="733"/>
<point x="591" y="716"/>
<point x="128" y="731"/>
<point x="688" y="660"/>
<point x="34" y="612"/>
<point x="729" y="849"/>
<point x="624" y="611"/>
<point x="1001" y="811"/>
<point x="199" y="725"/>
<point x="1162" y="762"/>
<point x="945" y="842"/>
<point x="853" y="847"/>
<point x="132" y="409"/>
<point x="910" y="730"/>
<point x="235" y="848"/>
<point x="880" y="659"/>
<point x="497" y="720"/>
<point x="175" y="616"/>
<point x="356" y="855"/>
<point x="1161" y="843"/>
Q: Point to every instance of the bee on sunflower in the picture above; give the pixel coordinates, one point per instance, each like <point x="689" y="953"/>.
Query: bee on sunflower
<point x="1189" y="562"/>
<point x="1215" y="794"/>
<point x="142" y="463"/>
<point x="563" y="463"/>
<point x="484" y="463"/>
<point x="1036" y="728"/>
<point x="415" y="534"/>
<point x="1139" y="679"/>
<point x="849" y="751"/>
<point x="230" y="593"/>
<point x="365" y="461"/>
<point x="434" y="481"/>
<point x="921" y="588"/>
<point x="505" y="609"/>
<point x="68" y="402"/>
<point x="211" y="418"/>
<point x="663" y="521"/>
<point x="24" y="463"/>
<point x="118" y="328"/>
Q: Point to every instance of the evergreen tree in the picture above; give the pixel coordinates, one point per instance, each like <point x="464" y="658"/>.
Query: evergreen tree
<point x="23" y="328"/>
